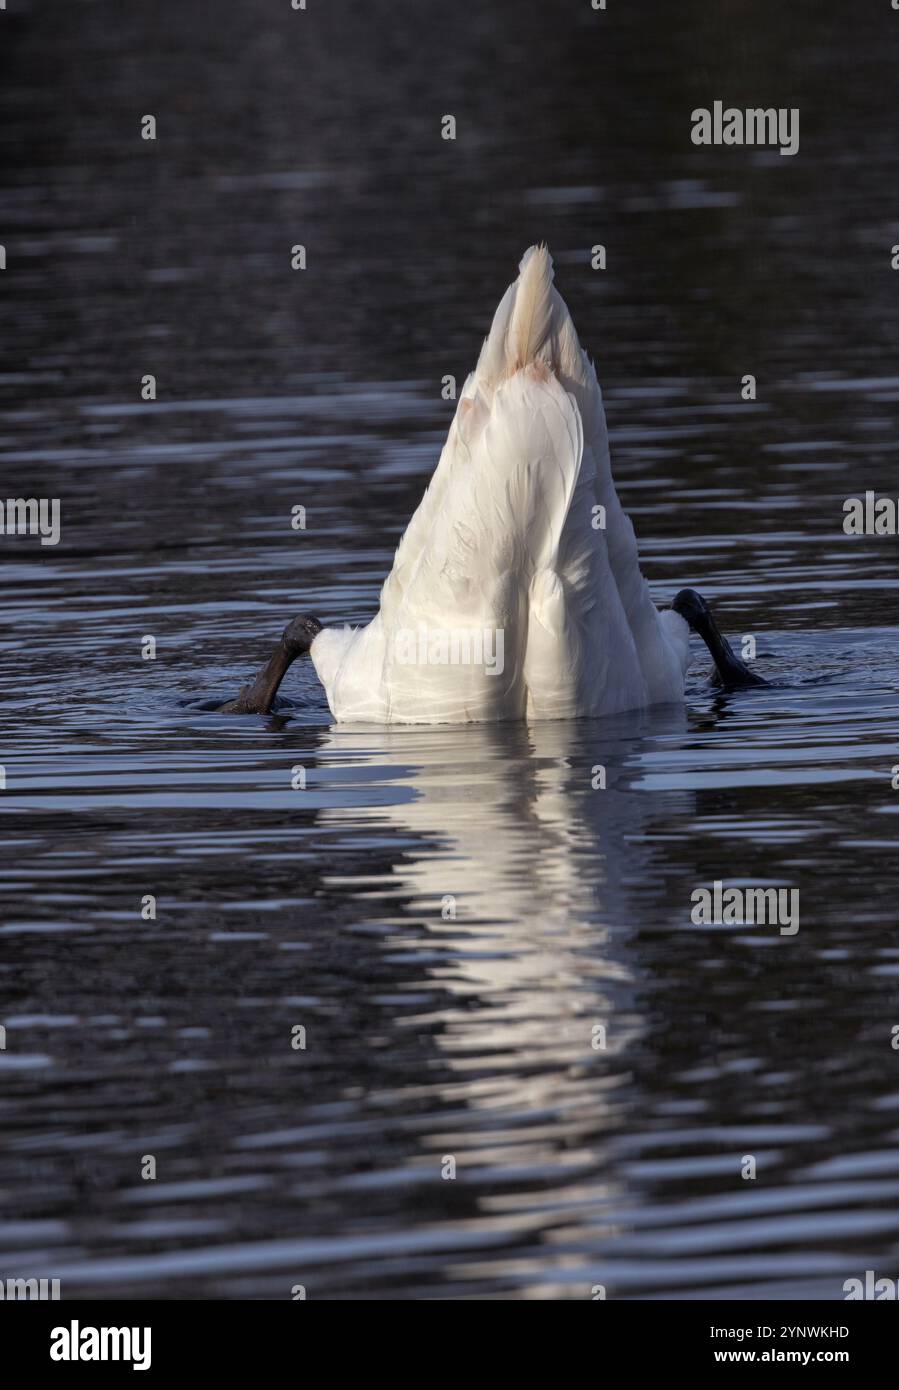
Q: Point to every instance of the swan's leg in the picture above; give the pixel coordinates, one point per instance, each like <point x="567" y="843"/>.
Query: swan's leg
<point x="257" y="698"/>
<point x="730" y="671"/>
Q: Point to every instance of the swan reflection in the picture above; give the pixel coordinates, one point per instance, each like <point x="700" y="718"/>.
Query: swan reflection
<point x="523" y="869"/>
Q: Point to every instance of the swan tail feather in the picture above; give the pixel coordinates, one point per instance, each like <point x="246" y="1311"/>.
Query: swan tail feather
<point x="532" y="314"/>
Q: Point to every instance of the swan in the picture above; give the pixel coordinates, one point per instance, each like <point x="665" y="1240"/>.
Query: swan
<point x="516" y="590"/>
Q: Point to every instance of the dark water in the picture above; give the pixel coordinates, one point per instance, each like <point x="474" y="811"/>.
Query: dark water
<point x="429" y="1036"/>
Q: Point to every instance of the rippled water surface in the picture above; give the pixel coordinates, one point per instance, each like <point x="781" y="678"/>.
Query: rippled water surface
<point x="430" y="1036"/>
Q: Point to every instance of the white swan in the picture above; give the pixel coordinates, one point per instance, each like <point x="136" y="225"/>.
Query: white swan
<point x="507" y="549"/>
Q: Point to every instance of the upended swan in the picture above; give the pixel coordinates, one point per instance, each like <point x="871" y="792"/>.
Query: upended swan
<point x="516" y="590"/>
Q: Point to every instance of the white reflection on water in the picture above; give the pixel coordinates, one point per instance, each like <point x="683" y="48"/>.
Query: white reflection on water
<point x="523" y="874"/>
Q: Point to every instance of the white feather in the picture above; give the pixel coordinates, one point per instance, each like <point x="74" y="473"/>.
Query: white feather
<point x="505" y="542"/>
